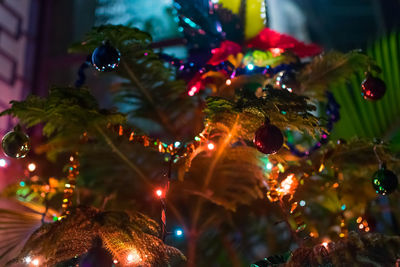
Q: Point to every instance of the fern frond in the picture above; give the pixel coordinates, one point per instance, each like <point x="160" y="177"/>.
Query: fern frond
<point x="284" y="109"/>
<point x="328" y="70"/>
<point x="121" y="234"/>
<point x="147" y="83"/>
<point x="236" y="179"/>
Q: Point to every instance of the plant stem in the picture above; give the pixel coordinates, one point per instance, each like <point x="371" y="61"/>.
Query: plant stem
<point x="164" y="119"/>
<point x="192" y="247"/>
<point x="121" y="155"/>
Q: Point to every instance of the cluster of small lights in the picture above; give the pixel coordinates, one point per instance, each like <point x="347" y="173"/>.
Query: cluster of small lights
<point x="134" y="257"/>
<point x="34" y="262"/>
<point x="363" y="224"/>
<point x="288" y="185"/>
<point x="193" y="90"/>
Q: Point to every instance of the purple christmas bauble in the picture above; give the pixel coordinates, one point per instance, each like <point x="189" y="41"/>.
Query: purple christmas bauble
<point x="268" y="139"/>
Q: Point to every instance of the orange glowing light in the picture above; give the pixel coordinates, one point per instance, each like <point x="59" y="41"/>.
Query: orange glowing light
<point x="276" y="51"/>
<point x="359" y="219"/>
<point x="134" y="257"/>
<point x="335" y="185"/>
<point x="289" y="185"/>
<point x="35" y="262"/>
<point x="325" y="244"/>
<point x="211" y="146"/>
<point x="228" y="82"/>
<point x="31" y="167"/>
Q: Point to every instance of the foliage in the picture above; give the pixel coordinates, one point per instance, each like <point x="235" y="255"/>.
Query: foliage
<point x="282" y="108"/>
<point x="66" y="113"/>
<point x="17" y="222"/>
<point x="233" y="177"/>
<point x="333" y="68"/>
<point x="122" y="235"/>
<point x="148" y="89"/>
<point x="356" y="250"/>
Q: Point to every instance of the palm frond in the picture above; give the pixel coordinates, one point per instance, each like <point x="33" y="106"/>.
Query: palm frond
<point x="17" y="222"/>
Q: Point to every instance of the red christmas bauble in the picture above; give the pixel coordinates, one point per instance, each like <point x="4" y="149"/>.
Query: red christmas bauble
<point x="268" y="139"/>
<point x="373" y="88"/>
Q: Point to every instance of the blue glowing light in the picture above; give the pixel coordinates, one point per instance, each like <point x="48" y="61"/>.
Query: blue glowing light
<point x="343" y="207"/>
<point x="22" y="183"/>
<point x="250" y="67"/>
<point x="178" y="232"/>
<point x="302" y="203"/>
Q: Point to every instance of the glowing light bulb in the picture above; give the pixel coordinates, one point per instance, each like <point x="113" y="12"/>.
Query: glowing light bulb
<point x="177" y="144"/>
<point x="115" y="261"/>
<point x="179" y="232"/>
<point x="159" y="192"/>
<point x="35" y="262"/>
<point x="302" y="203"/>
<point x="228" y="82"/>
<point x="250" y="67"/>
<point x="31" y="167"/>
<point x="3" y="163"/>
<point x="211" y="146"/>
<point x="269" y="166"/>
<point x="325" y="244"/>
<point x="28" y="259"/>
<point x="133" y="257"/>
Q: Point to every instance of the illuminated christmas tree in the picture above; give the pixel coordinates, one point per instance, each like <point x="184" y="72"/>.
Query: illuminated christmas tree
<point x="208" y="161"/>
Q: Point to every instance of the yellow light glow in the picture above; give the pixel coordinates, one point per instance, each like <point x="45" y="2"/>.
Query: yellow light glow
<point x="211" y="146"/>
<point x="321" y="168"/>
<point x="31" y="167"/>
<point x="35" y="262"/>
<point x="325" y="244"/>
<point x="228" y="82"/>
<point x="289" y="185"/>
<point x="134" y="257"/>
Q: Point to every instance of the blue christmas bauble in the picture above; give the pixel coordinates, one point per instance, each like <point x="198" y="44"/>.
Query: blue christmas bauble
<point x="106" y="57"/>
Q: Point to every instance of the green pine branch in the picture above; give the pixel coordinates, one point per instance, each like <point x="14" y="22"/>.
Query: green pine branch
<point x="149" y="89"/>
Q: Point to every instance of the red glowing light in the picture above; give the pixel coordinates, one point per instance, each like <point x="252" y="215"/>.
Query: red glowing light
<point x="159" y="192"/>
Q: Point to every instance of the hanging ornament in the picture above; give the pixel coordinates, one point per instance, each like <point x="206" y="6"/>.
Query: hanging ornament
<point x="287" y="80"/>
<point x="16" y="144"/>
<point x="268" y="138"/>
<point x="373" y="88"/>
<point x="106" y="57"/>
<point x="384" y="181"/>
